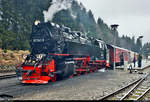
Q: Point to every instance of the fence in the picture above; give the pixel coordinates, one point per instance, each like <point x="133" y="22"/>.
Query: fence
<point x="6" y="69"/>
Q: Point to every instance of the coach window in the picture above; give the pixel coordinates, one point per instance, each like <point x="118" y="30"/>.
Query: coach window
<point x="118" y="53"/>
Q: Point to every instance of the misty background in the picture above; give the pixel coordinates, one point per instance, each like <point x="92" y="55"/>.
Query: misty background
<point x="133" y="16"/>
<point x="91" y="17"/>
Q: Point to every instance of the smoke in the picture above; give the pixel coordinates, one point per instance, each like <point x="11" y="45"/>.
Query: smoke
<point x="0" y="10"/>
<point x="57" y="5"/>
<point x="73" y="16"/>
<point x="0" y="15"/>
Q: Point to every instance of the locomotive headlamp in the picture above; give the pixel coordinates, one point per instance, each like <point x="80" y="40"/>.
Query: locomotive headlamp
<point x="36" y="22"/>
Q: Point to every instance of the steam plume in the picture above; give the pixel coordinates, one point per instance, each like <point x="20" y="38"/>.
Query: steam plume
<point x="57" y="5"/>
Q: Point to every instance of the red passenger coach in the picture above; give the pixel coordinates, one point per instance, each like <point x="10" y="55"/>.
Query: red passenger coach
<point x="119" y="57"/>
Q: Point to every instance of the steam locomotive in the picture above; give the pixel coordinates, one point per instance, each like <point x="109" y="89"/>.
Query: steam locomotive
<point x="58" y="53"/>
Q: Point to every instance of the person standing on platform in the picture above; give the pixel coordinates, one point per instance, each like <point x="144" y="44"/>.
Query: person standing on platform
<point x="134" y="60"/>
<point x="130" y="62"/>
<point x="139" y="61"/>
<point x="122" y="59"/>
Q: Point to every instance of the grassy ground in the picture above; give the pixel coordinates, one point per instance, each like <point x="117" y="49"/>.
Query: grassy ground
<point x="9" y="58"/>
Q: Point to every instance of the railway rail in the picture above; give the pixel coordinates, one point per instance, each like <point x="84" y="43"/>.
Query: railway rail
<point x="134" y="91"/>
<point x="7" y="76"/>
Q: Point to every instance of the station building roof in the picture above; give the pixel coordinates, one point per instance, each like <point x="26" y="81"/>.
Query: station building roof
<point x="118" y="47"/>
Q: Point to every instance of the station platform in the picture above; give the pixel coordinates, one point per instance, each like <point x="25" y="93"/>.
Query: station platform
<point x="145" y="64"/>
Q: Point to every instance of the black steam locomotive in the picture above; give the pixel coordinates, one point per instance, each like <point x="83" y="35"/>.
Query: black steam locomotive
<point x="52" y="38"/>
<point x="57" y="53"/>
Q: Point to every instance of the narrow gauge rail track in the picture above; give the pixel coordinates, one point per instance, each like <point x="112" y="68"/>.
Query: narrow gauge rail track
<point x="7" y="76"/>
<point x="133" y="91"/>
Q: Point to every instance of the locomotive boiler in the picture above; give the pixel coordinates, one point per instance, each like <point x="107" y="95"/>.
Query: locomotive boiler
<point x="58" y="53"/>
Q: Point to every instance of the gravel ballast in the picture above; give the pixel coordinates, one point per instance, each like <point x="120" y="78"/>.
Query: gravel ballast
<point x="86" y="87"/>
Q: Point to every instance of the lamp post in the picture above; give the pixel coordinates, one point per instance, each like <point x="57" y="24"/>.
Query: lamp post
<point x="114" y="29"/>
<point x="140" y="39"/>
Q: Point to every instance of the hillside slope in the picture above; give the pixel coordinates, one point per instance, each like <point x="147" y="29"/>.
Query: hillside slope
<point x="12" y="58"/>
<point x="18" y="16"/>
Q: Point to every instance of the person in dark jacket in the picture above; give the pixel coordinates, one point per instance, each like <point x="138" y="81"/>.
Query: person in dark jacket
<point x="122" y="58"/>
<point x="139" y="61"/>
<point x="134" y="60"/>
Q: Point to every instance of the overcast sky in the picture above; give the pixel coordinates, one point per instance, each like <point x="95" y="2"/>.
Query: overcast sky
<point x="133" y="16"/>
